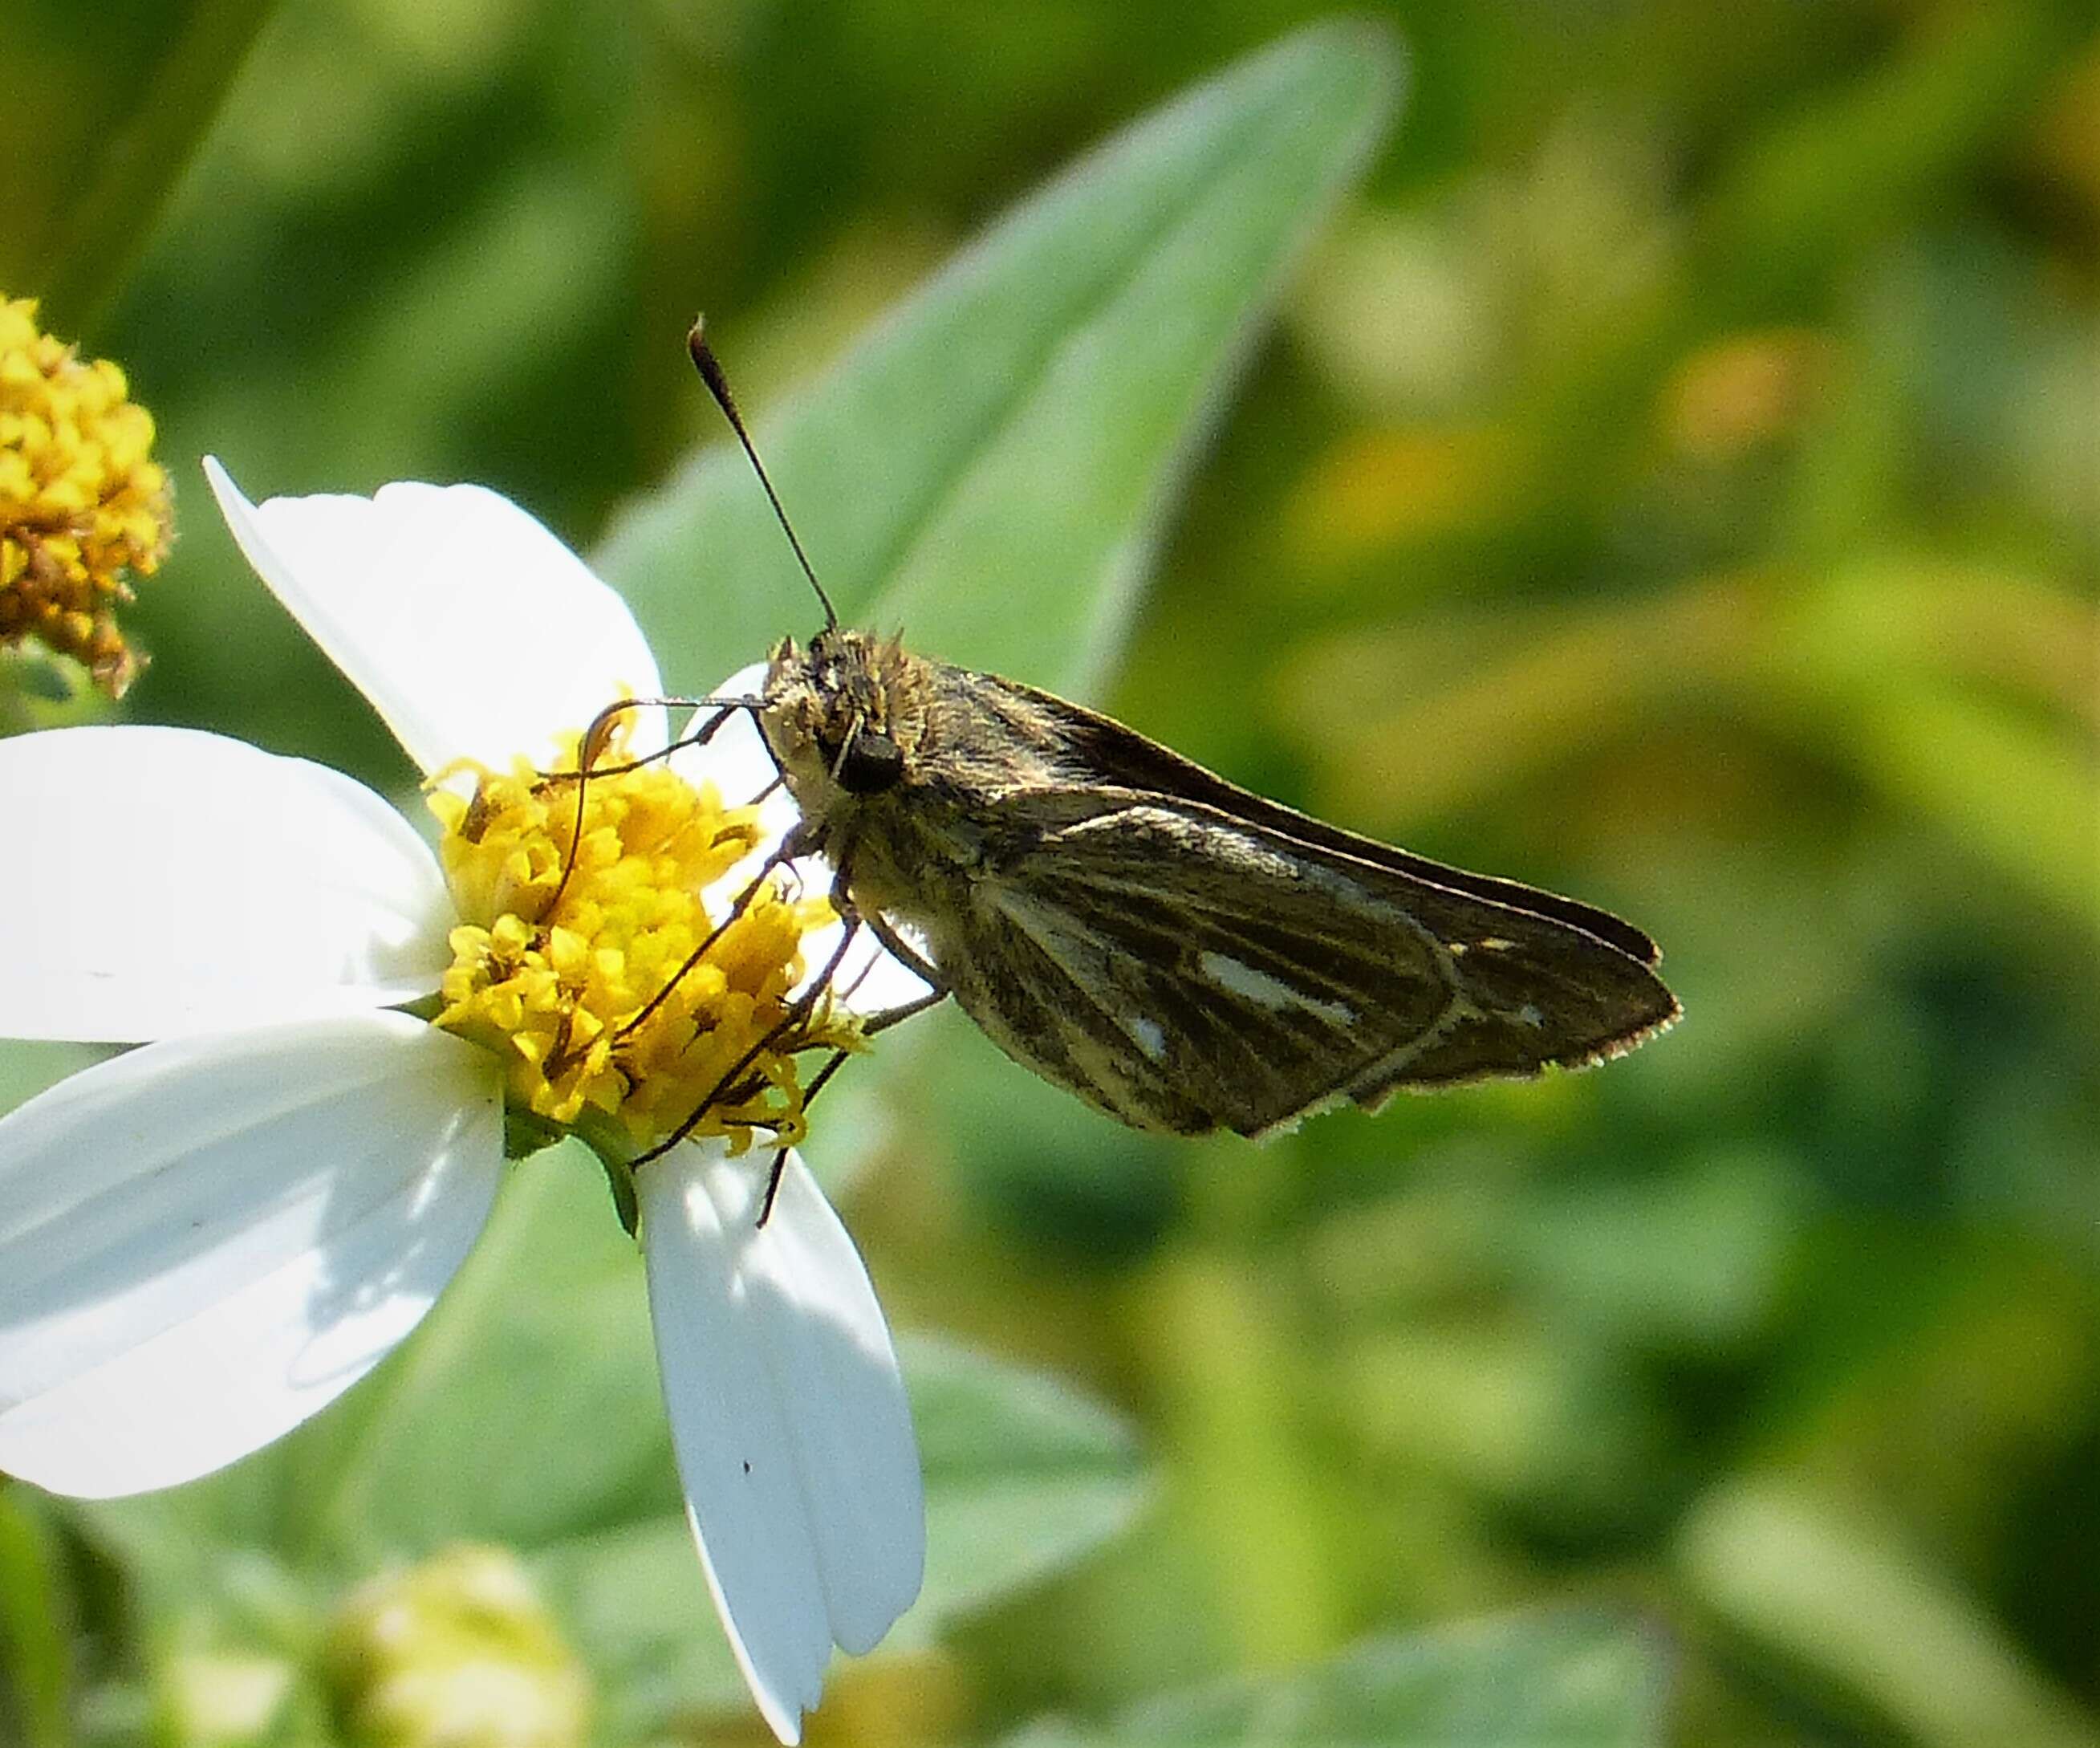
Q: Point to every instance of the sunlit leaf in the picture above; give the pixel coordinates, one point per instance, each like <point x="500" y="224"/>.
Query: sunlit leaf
<point x="1547" y="1681"/>
<point x="990" y="468"/>
<point x="1836" y="1590"/>
<point x="1022" y="1476"/>
<point x="95" y="133"/>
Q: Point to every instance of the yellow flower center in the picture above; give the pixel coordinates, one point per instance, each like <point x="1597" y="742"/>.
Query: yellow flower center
<point x="612" y="967"/>
<point x="81" y="500"/>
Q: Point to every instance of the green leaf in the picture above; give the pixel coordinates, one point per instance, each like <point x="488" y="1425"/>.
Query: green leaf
<point x="990" y="469"/>
<point x="1568" y="1680"/>
<point x="1022" y="1476"/>
<point x="30" y="1065"/>
<point x="99" y="127"/>
<point x="1838" y="1590"/>
<point x="36" y="1628"/>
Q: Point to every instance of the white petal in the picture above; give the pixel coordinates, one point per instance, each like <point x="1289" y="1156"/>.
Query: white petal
<point x="788" y="1412"/>
<point x="205" y="1242"/>
<point x="159" y="882"/>
<point x="474" y="633"/>
<point x="847" y="1414"/>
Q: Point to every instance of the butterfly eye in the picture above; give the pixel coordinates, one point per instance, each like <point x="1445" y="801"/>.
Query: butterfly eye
<point x="873" y="762"/>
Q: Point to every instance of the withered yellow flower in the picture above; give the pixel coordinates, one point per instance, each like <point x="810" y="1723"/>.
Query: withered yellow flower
<point x="83" y="504"/>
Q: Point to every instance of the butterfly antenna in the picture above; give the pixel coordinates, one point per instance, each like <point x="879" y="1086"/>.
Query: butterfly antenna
<point x="711" y="373"/>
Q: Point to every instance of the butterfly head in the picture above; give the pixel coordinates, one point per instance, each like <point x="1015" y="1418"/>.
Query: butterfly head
<point x="841" y="716"/>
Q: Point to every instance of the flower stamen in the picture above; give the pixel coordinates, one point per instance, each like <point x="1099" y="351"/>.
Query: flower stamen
<point x="82" y="503"/>
<point x="796" y="1016"/>
<point x="602" y="957"/>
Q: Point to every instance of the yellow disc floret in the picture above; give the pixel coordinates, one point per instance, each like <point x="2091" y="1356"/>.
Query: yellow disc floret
<point x="614" y="967"/>
<point x="81" y="500"/>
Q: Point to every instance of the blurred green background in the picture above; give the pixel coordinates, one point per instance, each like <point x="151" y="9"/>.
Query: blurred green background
<point x="1672" y="476"/>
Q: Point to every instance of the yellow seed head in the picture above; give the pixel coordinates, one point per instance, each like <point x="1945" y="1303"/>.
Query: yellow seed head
<point x="82" y="503"/>
<point x="595" y="956"/>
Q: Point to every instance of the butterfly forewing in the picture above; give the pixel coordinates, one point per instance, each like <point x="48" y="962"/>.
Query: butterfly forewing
<point x="1108" y="752"/>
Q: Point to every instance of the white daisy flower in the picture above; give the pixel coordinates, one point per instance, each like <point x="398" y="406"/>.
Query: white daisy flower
<point x="207" y="1239"/>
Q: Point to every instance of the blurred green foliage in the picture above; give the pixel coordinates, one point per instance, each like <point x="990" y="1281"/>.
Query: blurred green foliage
<point x="1673" y="480"/>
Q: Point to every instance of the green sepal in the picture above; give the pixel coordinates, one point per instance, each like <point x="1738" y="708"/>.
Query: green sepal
<point x="619" y="1178"/>
<point x="526" y="1133"/>
<point x="615" y="1149"/>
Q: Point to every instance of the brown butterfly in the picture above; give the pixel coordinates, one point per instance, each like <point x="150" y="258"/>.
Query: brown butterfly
<point x="1179" y="953"/>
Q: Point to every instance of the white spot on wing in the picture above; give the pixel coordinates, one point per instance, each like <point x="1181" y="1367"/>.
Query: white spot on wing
<point x="1083" y="956"/>
<point x="1242" y="979"/>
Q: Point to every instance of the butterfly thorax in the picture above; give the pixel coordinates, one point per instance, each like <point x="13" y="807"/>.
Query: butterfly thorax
<point x="887" y="756"/>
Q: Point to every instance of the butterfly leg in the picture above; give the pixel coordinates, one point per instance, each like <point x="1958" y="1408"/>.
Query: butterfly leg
<point x="594" y="742"/>
<point x="780" y="1153"/>
<point x="905" y="955"/>
<point x="853" y="918"/>
<point x="881" y="1022"/>
<point x="797" y="1014"/>
<point x="742" y="902"/>
<point x="935" y="994"/>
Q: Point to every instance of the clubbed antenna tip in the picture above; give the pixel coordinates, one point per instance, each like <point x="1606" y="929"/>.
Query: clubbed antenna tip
<point x="710" y="372"/>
